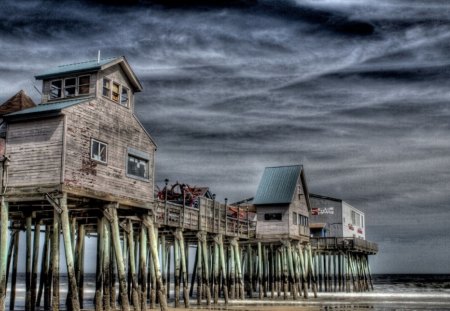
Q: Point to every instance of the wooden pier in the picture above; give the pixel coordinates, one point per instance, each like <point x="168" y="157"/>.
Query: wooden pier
<point x="81" y="165"/>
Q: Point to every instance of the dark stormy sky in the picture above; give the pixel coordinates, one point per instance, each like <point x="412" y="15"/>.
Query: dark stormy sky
<point x="355" y="90"/>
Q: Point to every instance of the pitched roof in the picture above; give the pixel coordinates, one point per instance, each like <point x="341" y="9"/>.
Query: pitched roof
<point x="50" y="106"/>
<point x="90" y="66"/>
<point x="277" y="185"/>
<point x="18" y="102"/>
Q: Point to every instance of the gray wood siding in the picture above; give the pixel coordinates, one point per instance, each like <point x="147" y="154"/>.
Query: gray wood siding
<point x="298" y="206"/>
<point x="113" y="124"/>
<point x="35" y="150"/>
<point x="272" y="227"/>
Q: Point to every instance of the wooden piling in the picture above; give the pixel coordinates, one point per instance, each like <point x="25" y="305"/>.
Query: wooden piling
<point x="12" y="298"/>
<point x="99" y="266"/>
<point x="206" y="271"/>
<point x="311" y="270"/>
<point x="134" y="281"/>
<point x="176" y="259"/>
<point x="199" y="272"/>
<point x="44" y="268"/>
<point x="34" y="269"/>
<point x="115" y="235"/>
<point x="216" y="269"/>
<point x="223" y="268"/>
<point x="28" y="254"/>
<point x="80" y="250"/>
<point x="148" y="221"/>
<point x="106" y="266"/>
<point x="4" y="217"/>
<point x="55" y="256"/>
<point x="142" y="305"/>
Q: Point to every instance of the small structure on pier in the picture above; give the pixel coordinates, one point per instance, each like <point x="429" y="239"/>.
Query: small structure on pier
<point x="333" y="217"/>
<point x="282" y="204"/>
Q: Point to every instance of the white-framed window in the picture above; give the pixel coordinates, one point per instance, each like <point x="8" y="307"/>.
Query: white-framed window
<point x="138" y="164"/>
<point x="55" y="89"/>
<point x="294" y="218"/>
<point x="124" y="96"/>
<point x="99" y="151"/>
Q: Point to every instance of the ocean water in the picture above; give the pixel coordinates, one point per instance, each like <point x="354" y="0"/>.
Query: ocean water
<point x="391" y="292"/>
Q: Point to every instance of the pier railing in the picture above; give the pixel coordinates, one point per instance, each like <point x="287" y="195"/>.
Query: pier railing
<point x="210" y="216"/>
<point x="334" y="243"/>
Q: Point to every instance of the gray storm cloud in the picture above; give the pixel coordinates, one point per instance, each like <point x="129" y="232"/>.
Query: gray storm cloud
<point x="357" y="91"/>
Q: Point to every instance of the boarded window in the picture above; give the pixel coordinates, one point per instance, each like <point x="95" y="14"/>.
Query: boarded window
<point x="55" y="89"/>
<point x="106" y="88"/>
<point x="115" y="92"/>
<point x="83" y="85"/>
<point x="124" y="97"/>
<point x="273" y="216"/>
<point x="99" y="151"/>
<point x="294" y="218"/>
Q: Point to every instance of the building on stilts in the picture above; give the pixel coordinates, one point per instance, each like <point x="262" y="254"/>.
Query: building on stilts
<point x="80" y="164"/>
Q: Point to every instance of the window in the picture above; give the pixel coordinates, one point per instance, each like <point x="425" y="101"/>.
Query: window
<point x="303" y="220"/>
<point x="115" y="92"/>
<point x="273" y="216"/>
<point x="83" y="85"/>
<point x="99" y="151"/>
<point x="362" y="221"/>
<point x="55" y="89"/>
<point x="356" y="218"/>
<point x="70" y="86"/>
<point x="124" y="97"/>
<point x="106" y="87"/>
<point x="294" y="218"/>
<point x="138" y="164"/>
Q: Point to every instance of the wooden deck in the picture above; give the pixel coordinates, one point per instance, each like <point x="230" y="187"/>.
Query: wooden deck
<point x="344" y="244"/>
<point x="211" y="217"/>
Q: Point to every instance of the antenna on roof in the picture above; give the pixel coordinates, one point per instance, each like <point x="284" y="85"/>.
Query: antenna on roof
<point x="98" y="57"/>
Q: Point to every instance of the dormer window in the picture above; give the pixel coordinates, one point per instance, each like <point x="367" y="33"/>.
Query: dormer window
<point x="116" y="92"/>
<point x="69" y="87"/>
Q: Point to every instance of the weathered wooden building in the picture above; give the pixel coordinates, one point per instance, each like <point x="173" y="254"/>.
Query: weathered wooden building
<point x="282" y="204"/>
<point x="84" y="138"/>
<point x="333" y="217"/>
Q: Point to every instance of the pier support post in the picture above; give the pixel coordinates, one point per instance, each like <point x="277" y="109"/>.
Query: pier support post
<point x="115" y="235"/>
<point x="311" y="270"/>
<point x="4" y="217"/>
<point x="184" y="266"/>
<point x="142" y="304"/>
<point x="99" y="266"/>
<point x="223" y="268"/>
<point x="134" y="282"/>
<point x="202" y="237"/>
<point x="12" y="298"/>
<point x="28" y="254"/>
<point x="65" y="224"/>
<point x="44" y="268"/>
<point x="34" y="269"/>
<point x="148" y="222"/>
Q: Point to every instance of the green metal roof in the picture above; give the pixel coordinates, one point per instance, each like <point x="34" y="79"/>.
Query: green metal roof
<point x="277" y="185"/>
<point x="76" y="67"/>
<point x="50" y="106"/>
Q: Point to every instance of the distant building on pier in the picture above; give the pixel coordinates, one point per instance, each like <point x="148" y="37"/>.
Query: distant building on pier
<point x="333" y="217"/>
